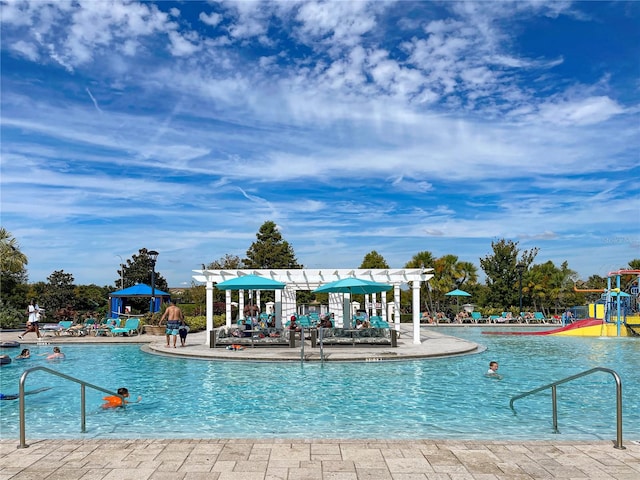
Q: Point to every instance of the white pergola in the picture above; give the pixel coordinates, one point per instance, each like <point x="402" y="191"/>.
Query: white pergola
<point x="310" y="279"/>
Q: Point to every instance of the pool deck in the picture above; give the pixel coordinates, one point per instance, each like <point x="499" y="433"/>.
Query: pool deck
<point x="308" y="459"/>
<point x="314" y="460"/>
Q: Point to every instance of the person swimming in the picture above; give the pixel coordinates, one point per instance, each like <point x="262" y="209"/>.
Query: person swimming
<point x="113" y="401"/>
<point x="493" y="370"/>
<point x="26" y="353"/>
<point x="16" y="395"/>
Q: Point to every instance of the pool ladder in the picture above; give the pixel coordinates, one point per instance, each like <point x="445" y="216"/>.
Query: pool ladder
<point x="552" y="386"/>
<point x="83" y="384"/>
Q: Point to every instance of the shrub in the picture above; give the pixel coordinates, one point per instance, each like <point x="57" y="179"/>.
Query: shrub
<point x="199" y="322"/>
<point x="11" y="317"/>
<point x="191" y="309"/>
<point x="150" y="318"/>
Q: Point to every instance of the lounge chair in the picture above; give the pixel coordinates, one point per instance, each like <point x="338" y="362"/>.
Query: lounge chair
<point x="304" y="321"/>
<point x="105" y="328"/>
<point x="377" y="322"/>
<point x="477" y="317"/>
<point x="81" y="329"/>
<point x="130" y="326"/>
<point x="57" y="328"/>
<point x="538" y="317"/>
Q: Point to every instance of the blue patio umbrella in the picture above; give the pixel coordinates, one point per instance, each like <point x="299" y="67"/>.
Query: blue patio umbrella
<point x="352" y="285"/>
<point x="457" y="293"/>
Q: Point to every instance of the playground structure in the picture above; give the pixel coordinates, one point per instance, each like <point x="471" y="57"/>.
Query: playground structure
<point x="616" y="314"/>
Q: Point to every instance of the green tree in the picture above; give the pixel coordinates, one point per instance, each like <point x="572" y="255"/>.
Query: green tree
<point x="374" y="260"/>
<point x="449" y="274"/>
<point x="92" y="298"/>
<point x="13" y="273"/>
<point x="12" y="260"/>
<point x="59" y="297"/>
<point x="626" y="281"/>
<point x="422" y="259"/>
<point x="228" y="262"/>
<point x="502" y="272"/>
<point x="138" y="270"/>
<point x="591" y="290"/>
<point x="548" y="286"/>
<point x="270" y="250"/>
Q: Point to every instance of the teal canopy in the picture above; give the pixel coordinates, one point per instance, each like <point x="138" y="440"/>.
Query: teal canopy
<point x="117" y="300"/>
<point x="139" y="290"/>
<point x="457" y="293"/>
<point x="250" y="282"/>
<point x="353" y="285"/>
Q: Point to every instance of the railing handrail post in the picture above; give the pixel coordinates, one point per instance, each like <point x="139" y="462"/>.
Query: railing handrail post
<point x="553" y="386"/>
<point x="83" y="384"/>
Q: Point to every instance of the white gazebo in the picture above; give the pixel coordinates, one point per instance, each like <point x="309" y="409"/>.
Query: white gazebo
<point x="310" y="279"/>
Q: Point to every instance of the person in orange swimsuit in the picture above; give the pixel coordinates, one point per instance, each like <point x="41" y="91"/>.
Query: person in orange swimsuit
<point x="113" y="401"/>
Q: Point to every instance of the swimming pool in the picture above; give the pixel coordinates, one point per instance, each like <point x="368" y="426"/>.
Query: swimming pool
<point x="438" y="398"/>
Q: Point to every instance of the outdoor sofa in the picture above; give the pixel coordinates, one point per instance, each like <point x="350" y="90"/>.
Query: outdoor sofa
<point x="258" y="337"/>
<point x="356" y="337"/>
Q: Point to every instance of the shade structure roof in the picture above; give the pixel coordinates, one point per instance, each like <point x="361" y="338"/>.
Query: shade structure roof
<point x="250" y="282"/>
<point x="458" y="293"/>
<point x="139" y="290"/>
<point x="353" y="285"/>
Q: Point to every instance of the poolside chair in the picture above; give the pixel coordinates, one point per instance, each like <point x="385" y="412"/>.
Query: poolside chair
<point x="89" y="326"/>
<point x="377" y="322"/>
<point x="539" y="317"/>
<point x="57" y="328"/>
<point x="477" y="317"/>
<point x="304" y="321"/>
<point x="104" y="329"/>
<point x="130" y="326"/>
<point x="81" y="329"/>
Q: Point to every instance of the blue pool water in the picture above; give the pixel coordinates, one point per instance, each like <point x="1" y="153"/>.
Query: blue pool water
<point x="438" y="398"/>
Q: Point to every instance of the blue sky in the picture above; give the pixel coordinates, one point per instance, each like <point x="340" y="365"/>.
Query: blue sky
<point x="355" y="126"/>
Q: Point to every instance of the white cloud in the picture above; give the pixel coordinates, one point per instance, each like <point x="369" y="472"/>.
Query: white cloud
<point x="586" y="111"/>
<point x="212" y="19"/>
<point x="435" y="128"/>
<point x="27" y="49"/>
<point x="181" y="46"/>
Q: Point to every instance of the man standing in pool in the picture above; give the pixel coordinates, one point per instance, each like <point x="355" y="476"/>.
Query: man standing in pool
<point x="174" y="317"/>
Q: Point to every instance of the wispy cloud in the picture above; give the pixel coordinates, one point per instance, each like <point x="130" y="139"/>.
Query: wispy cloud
<point x="395" y="126"/>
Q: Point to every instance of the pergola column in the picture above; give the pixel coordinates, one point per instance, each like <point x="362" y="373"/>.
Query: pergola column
<point x="227" y="307"/>
<point x="415" y="311"/>
<point x="396" y="307"/>
<point x="209" y="313"/>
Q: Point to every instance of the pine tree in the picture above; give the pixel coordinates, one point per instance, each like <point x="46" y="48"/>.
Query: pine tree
<point x="270" y="250"/>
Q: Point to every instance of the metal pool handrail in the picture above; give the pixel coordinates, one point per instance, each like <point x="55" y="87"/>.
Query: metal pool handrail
<point x="83" y="384"/>
<point x="554" y="402"/>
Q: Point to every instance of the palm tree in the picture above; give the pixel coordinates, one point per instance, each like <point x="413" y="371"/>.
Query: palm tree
<point x="12" y="260"/>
